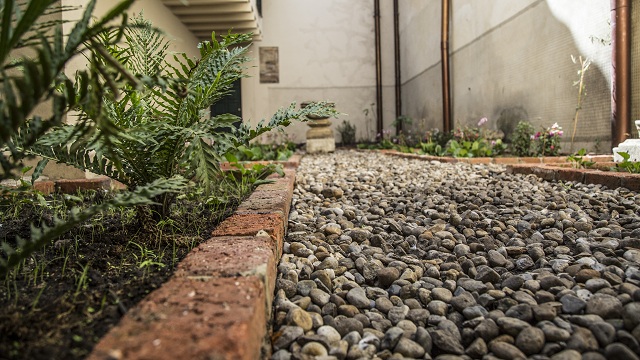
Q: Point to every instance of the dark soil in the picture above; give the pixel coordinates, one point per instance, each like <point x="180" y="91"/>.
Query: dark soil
<point x="63" y="299"/>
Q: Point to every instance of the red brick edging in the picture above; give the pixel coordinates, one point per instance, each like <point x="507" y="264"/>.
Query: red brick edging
<point x="610" y="179"/>
<point x="548" y="168"/>
<point x="217" y="305"/>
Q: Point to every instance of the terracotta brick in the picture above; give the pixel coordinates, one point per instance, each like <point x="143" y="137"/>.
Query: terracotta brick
<point x="520" y="169"/>
<point x="506" y="160"/>
<point x="554" y="159"/>
<point x="294" y="161"/>
<point x="45" y="187"/>
<point x="568" y="174"/>
<point x="608" y="179"/>
<point x="70" y="186"/>
<point x="266" y="202"/>
<point x="630" y="181"/>
<point x="250" y="224"/>
<point x="193" y="318"/>
<point x="599" y="158"/>
<point x="277" y="184"/>
<point x="235" y="256"/>
<point x="604" y="165"/>
<point x="545" y="173"/>
<point x="231" y="256"/>
<point x="480" y="160"/>
<point x="530" y="160"/>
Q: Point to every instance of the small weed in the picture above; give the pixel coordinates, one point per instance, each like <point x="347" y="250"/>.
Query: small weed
<point x="347" y="133"/>
<point x="626" y="165"/>
<point x="521" y="139"/>
<point x="577" y="160"/>
<point x="37" y="298"/>
<point x="82" y="281"/>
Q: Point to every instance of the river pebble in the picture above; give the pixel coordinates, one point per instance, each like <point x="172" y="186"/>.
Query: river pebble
<point x="390" y="258"/>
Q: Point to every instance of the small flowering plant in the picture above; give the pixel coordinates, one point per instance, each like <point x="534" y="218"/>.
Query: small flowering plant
<point x="475" y="141"/>
<point x="547" y="141"/>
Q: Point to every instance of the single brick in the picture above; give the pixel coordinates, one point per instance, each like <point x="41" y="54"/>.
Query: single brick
<point x="192" y="318"/>
<point x="70" y="186"/>
<point x="609" y="179"/>
<point x="545" y="173"/>
<point x="265" y="202"/>
<point x="530" y="160"/>
<point x="231" y="256"/>
<point x="45" y="187"/>
<point x="250" y="224"/>
<point x="630" y="181"/>
<point x="554" y="159"/>
<point x="568" y="174"/>
<point x="505" y="160"/>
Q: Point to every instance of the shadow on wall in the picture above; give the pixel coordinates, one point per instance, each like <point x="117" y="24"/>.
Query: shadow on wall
<point x="521" y="69"/>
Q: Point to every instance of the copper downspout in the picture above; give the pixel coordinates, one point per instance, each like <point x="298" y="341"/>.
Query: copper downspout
<point x="621" y="60"/>
<point x="446" y="91"/>
<point x="396" y="43"/>
<point x="376" y="15"/>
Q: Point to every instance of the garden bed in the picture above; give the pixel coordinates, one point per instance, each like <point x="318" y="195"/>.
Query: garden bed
<point x="226" y="281"/>
<point x="58" y="302"/>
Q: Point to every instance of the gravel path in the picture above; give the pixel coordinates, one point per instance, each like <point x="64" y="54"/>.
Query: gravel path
<point x="390" y="258"/>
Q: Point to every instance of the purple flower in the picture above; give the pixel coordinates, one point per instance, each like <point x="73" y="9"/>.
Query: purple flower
<point x="482" y="121"/>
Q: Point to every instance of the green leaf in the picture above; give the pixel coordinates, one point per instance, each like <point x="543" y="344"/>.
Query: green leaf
<point x="38" y="170"/>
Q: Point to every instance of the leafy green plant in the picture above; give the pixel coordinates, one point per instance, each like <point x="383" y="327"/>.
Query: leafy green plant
<point x="431" y="148"/>
<point x="477" y="148"/>
<point x="547" y="141"/>
<point x="347" y="132"/>
<point x="521" y="140"/>
<point x="577" y="160"/>
<point x="255" y="152"/>
<point x="167" y="136"/>
<point x="626" y="165"/>
<point x="402" y="122"/>
<point x="29" y="82"/>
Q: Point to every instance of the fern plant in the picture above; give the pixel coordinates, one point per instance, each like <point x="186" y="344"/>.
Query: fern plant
<point x="28" y="82"/>
<point x="39" y="80"/>
<point x="167" y="131"/>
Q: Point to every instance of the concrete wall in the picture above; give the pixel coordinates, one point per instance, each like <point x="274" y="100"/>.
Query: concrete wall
<point x="326" y="52"/>
<point x="510" y="63"/>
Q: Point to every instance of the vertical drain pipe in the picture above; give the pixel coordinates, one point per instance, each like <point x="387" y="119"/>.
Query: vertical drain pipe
<point x="621" y="83"/>
<point x="446" y="90"/>
<point x="376" y="16"/>
<point x="396" y="43"/>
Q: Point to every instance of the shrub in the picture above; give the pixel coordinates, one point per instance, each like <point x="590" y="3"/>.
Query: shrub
<point x="547" y="141"/>
<point x="165" y="135"/>
<point x="347" y="132"/>
<point x="521" y="139"/>
<point x="40" y="80"/>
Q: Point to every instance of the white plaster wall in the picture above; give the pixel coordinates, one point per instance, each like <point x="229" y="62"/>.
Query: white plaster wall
<point x="508" y="55"/>
<point x="182" y="40"/>
<point x="326" y="52"/>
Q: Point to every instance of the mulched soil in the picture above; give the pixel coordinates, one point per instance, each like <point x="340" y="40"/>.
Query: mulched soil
<point x="62" y="300"/>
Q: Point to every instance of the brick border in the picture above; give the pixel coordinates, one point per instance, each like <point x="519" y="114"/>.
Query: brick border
<point x="497" y="160"/>
<point x="610" y="179"/>
<point x="217" y="304"/>
<point x="548" y="168"/>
